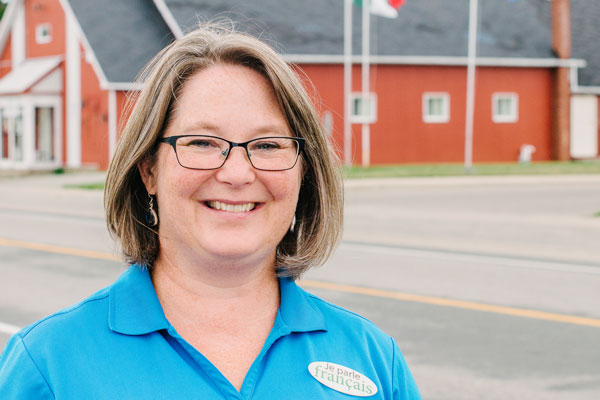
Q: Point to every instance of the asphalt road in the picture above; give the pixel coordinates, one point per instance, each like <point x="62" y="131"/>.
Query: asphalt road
<point x="491" y="286"/>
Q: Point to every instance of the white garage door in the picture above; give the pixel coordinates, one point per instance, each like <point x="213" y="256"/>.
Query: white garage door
<point x="584" y="126"/>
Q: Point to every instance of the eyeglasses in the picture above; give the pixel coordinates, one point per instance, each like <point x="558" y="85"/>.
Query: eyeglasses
<point x="272" y="153"/>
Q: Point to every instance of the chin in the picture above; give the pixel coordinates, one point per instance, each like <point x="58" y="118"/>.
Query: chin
<point x="239" y="249"/>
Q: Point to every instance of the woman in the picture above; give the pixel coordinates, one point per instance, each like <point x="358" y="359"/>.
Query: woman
<point x="222" y="192"/>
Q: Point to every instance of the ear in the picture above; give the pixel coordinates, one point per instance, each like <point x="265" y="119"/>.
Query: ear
<point x="147" y="172"/>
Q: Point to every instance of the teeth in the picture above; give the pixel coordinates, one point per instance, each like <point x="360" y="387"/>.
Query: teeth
<point x="217" y="205"/>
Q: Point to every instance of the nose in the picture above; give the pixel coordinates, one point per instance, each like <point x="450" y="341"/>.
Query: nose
<point x="237" y="169"/>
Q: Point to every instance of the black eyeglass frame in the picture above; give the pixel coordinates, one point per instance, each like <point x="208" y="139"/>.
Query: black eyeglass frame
<point x="172" y="140"/>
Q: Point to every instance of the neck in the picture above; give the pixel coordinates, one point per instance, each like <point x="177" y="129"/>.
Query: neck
<point x="223" y="291"/>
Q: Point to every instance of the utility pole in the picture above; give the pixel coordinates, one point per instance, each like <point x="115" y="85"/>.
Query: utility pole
<point x="470" y="107"/>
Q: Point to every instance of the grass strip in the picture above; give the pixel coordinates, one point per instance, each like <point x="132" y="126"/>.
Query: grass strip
<point x="424" y="170"/>
<point x="416" y="170"/>
<point x="86" y="186"/>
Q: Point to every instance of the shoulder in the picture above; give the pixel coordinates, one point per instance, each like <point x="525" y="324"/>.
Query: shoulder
<point x="343" y="314"/>
<point x="42" y="346"/>
<point x="86" y="314"/>
<point x="345" y="329"/>
<point x="340" y="318"/>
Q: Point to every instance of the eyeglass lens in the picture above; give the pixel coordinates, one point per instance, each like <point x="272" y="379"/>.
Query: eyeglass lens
<point x="206" y="152"/>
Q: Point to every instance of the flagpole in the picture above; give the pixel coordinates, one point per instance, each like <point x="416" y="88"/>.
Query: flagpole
<point x="366" y="131"/>
<point x="470" y="107"/>
<point x="347" y="82"/>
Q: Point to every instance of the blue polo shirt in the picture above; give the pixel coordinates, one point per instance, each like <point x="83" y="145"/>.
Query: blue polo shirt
<point x="117" y="344"/>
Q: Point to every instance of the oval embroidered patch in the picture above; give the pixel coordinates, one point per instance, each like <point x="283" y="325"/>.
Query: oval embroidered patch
<point x="342" y="379"/>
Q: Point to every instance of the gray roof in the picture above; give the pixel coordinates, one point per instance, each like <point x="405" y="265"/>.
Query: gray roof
<point x="124" y="34"/>
<point x="508" y="28"/>
<point x="132" y="31"/>
<point x="585" y="24"/>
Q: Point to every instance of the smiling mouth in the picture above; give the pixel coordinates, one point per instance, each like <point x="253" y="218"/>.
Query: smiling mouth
<point x="217" y="205"/>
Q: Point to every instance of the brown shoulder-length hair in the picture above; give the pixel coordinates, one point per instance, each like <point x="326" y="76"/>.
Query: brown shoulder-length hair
<point x="319" y="213"/>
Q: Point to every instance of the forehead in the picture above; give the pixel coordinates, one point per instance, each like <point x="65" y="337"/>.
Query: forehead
<point x="226" y="93"/>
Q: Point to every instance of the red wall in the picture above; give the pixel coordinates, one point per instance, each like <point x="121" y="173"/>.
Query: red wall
<point x="6" y="57"/>
<point x="122" y="115"/>
<point x="325" y="86"/>
<point x="501" y="141"/>
<point x="94" y="118"/>
<point x="44" y="11"/>
<point x="401" y="136"/>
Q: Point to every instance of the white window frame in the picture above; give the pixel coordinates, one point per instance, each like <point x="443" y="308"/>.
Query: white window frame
<point x="327" y="123"/>
<point x="28" y="103"/>
<point x="371" y="116"/>
<point x="436" y="119"/>
<point x="514" y="109"/>
<point x="40" y="38"/>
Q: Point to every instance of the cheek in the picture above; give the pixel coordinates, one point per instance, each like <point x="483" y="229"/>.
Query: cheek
<point x="288" y="191"/>
<point x="177" y="185"/>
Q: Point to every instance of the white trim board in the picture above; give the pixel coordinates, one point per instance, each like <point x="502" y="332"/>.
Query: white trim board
<point x="438" y="60"/>
<point x="576" y="89"/>
<point x="124" y="86"/>
<point x="112" y="123"/>
<point x="586" y="90"/>
<point x="17" y="36"/>
<point x="28" y="74"/>
<point x="89" y="53"/>
<point x="407" y="60"/>
<point x="171" y="22"/>
<point x="7" y="21"/>
<point x="73" y="92"/>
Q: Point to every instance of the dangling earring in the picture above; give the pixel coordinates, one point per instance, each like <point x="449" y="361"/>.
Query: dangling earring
<point x="293" y="223"/>
<point x="151" y="216"/>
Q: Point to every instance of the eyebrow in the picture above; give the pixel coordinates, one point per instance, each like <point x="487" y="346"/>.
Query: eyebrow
<point x="264" y="129"/>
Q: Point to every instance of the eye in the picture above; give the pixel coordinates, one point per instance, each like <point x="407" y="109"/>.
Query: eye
<point x="200" y="143"/>
<point x="266" y="145"/>
<point x="270" y="145"/>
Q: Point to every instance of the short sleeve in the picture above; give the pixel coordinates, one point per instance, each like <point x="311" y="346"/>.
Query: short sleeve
<point x="404" y="385"/>
<point x="20" y="378"/>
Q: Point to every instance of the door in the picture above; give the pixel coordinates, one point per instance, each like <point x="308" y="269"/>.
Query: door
<point x="584" y="126"/>
<point x="45" y="141"/>
<point x="11" y="142"/>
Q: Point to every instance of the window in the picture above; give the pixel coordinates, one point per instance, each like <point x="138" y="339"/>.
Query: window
<point x="12" y="134"/>
<point x="18" y="129"/>
<point x="364" y="110"/>
<point x="505" y="107"/>
<point x="44" y="134"/>
<point x="436" y="107"/>
<point x="43" y="33"/>
<point x="327" y="122"/>
<point x="4" y="139"/>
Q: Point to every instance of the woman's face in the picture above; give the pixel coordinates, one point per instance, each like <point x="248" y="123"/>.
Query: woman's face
<point x="237" y="104"/>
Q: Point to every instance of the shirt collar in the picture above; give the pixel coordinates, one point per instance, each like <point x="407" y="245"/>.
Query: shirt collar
<point x="134" y="308"/>
<point x="297" y="309"/>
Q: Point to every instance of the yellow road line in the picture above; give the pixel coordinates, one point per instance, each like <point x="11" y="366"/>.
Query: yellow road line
<point x="387" y="294"/>
<point x="469" y="305"/>
<point x="58" y="249"/>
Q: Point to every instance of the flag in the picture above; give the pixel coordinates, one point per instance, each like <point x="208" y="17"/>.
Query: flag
<point x="384" y="8"/>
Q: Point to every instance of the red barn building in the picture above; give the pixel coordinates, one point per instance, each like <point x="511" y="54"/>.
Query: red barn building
<point x="66" y="67"/>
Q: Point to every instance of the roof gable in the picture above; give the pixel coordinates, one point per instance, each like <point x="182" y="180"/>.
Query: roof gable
<point x="30" y="73"/>
<point x="124" y="34"/>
